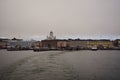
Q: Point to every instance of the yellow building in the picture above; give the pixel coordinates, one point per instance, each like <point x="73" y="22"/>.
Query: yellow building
<point x="106" y="44"/>
<point x="100" y="43"/>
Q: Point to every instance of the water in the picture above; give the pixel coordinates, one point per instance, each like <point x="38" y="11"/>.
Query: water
<point x="59" y="65"/>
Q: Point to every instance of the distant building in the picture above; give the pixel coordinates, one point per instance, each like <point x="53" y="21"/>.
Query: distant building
<point x="37" y="45"/>
<point x="89" y="44"/>
<point x="117" y="42"/>
<point x="92" y="43"/>
<point x="102" y="44"/>
<point x="51" y="36"/>
<point x="3" y="43"/>
<point x="77" y="44"/>
<point x="51" y="44"/>
<point x="62" y="44"/>
<point x="13" y="45"/>
<point x="54" y="44"/>
<point x="19" y="44"/>
<point x="26" y="45"/>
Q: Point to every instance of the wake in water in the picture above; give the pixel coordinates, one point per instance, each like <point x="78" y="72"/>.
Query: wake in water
<point x="45" y="66"/>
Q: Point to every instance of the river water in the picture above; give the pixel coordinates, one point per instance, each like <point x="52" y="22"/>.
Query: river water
<point x="60" y="65"/>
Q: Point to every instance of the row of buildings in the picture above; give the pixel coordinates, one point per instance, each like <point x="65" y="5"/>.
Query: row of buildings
<point x="76" y="44"/>
<point x="16" y="44"/>
<point x="51" y="43"/>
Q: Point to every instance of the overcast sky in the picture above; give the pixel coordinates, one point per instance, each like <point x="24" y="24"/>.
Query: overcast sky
<point x="36" y="18"/>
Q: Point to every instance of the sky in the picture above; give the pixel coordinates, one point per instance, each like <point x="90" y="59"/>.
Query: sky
<point x="66" y="18"/>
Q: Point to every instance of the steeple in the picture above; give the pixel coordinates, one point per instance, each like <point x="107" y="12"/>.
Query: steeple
<point x="51" y="33"/>
<point x="51" y="36"/>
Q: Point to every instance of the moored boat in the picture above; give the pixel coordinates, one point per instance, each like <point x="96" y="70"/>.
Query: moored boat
<point x="94" y="48"/>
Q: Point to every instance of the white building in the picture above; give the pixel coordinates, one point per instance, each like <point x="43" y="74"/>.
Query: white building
<point x="19" y="45"/>
<point x="51" y="36"/>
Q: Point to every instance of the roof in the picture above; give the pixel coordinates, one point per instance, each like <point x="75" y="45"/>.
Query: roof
<point x="88" y="40"/>
<point x="4" y="39"/>
<point x="55" y="40"/>
<point x="17" y="39"/>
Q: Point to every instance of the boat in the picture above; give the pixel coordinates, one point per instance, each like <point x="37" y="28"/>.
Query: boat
<point x="94" y="48"/>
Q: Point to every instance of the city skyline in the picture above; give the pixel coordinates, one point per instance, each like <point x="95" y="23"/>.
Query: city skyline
<point x="33" y="19"/>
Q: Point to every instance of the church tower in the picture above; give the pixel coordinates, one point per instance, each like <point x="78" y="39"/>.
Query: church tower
<point x="51" y="36"/>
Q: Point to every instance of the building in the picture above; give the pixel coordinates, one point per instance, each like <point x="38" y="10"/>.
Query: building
<point x="51" y="36"/>
<point x="3" y="43"/>
<point x="51" y="44"/>
<point x="13" y="45"/>
<point x="19" y="44"/>
<point x="117" y="43"/>
<point x="62" y="44"/>
<point x="77" y="44"/>
<point x="92" y="43"/>
<point x="26" y="45"/>
<point x="57" y="44"/>
<point x="101" y="44"/>
<point x="37" y="44"/>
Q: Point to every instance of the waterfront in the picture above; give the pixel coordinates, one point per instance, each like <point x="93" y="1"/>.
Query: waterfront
<point x="60" y="65"/>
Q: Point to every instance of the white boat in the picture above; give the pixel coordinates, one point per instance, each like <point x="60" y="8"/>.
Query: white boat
<point x="94" y="48"/>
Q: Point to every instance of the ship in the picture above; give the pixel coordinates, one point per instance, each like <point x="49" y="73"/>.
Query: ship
<point x="94" y="48"/>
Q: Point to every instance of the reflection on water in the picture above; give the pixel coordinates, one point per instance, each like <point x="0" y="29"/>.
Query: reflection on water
<point x="63" y="65"/>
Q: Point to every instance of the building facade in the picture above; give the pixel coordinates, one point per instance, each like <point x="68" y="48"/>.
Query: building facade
<point x="37" y="44"/>
<point x="119" y="42"/>
<point x="3" y="43"/>
<point x="62" y="44"/>
<point x="77" y="44"/>
<point x="51" y="44"/>
<point x="19" y="45"/>
<point x="101" y="44"/>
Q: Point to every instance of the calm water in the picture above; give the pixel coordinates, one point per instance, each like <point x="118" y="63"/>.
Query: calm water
<point x="60" y="65"/>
